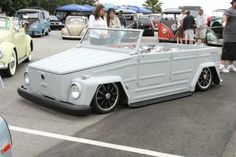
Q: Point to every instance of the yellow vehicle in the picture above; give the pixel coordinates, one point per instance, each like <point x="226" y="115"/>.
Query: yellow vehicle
<point x="15" y="45"/>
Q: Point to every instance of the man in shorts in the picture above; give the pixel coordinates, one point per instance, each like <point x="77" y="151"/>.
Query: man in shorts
<point x="188" y="26"/>
<point x="201" y="24"/>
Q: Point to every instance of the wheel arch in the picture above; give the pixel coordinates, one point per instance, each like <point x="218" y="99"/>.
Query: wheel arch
<point x="7" y="48"/>
<point x="90" y="85"/>
<point x="215" y="74"/>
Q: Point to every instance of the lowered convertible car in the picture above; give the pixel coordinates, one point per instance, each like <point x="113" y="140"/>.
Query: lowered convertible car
<point x="75" y="27"/>
<point x="111" y="66"/>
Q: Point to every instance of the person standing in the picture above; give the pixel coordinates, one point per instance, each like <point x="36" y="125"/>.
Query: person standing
<point x="97" y="18"/>
<point x="112" y="20"/>
<point x="229" y="35"/>
<point x="188" y="26"/>
<point x="122" y="19"/>
<point x="180" y="33"/>
<point x="201" y="24"/>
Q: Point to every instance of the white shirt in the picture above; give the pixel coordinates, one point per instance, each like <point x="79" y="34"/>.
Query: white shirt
<point x="181" y="19"/>
<point x="99" y="23"/>
<point x="201" y="21"/>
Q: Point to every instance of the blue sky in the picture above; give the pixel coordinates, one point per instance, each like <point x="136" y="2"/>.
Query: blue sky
<point x="207" y="5"/>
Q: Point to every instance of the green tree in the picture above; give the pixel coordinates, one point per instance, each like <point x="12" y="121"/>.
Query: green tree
<point x="154" y="5"/>
<point x="7" y="6"/>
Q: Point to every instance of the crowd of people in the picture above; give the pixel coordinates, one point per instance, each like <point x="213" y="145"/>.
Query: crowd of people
<point x="189" y="27"/>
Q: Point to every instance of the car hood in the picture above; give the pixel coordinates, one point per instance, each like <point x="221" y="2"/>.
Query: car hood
<point x="75" y="30"/>
<point x="78" y="59"/>
<point x="4" y="35"/>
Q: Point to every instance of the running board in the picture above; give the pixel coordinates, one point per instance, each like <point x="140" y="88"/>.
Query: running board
<point x="161" y="99"/>
<point x="22" y="59"/>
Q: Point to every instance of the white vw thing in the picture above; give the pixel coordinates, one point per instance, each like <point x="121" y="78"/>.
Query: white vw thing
<point x="112" y="66"/>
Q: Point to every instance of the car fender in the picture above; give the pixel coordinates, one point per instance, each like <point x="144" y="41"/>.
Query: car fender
<point x="63" y="31"/>
<point x="29" y="46"/>
<point x="7" y="48"/>
<point x="90" y="85"/>
<point x="213" y="67"/>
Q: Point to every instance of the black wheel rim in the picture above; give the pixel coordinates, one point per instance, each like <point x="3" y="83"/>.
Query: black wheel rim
<point x="205" y="78"/>
<point x="107" y="96"/>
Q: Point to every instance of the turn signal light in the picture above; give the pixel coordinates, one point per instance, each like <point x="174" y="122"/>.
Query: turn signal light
<point x="5" y="148"/>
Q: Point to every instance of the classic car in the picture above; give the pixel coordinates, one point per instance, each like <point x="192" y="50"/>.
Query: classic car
<point x="15" y="45"/>
<point x="145" y="23"/>
<point x="214" y="35"/>
<point x="75" y="27"/>
<point x="168" y="27"/>
<point x="37" y="21"/>
<point x="56" y="24"/>
<point x="111" y="66"/>
<point x="5" y="139"/>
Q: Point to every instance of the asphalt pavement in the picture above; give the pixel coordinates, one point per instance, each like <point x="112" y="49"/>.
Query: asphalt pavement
<point x="202" y="125"/>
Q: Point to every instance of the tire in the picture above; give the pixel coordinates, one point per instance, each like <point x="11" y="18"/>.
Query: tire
<point x="12" y="66"/>
<point x="106" y="98"/>
<point x="205" y="80"/>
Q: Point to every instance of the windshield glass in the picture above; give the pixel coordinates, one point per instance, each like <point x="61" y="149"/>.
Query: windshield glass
<point x="4" y="23"/>
<point x="119" y="39"/>
<point x="74" y="20"/>
<point x="218" y="13"/>
<point x="28" y="15"/>
<point x="169" y="16"/>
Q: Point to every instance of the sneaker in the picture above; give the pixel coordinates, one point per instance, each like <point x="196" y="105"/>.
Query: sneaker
<point x="231" y="68"/>
<point x="223" y="70"/>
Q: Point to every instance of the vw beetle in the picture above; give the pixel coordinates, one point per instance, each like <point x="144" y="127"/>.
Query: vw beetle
<point x="15" y="45"/>
<point x="111" y="66"/>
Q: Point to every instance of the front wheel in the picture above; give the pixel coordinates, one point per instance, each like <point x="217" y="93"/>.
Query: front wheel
<point x="205" y="80"/>
<point x="106" y="98"/>
<point x="11" y="69"/>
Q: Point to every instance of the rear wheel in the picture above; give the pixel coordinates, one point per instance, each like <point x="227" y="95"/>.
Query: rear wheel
<point x="204" y="80"/>
<point x="11" y="69"/>
<point x="106" y="98"/>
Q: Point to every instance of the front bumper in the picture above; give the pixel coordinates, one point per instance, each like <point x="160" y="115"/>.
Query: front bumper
<point x="71" y="37"/>
<point x="3" y="65"/>
<point x="66" y="107"/>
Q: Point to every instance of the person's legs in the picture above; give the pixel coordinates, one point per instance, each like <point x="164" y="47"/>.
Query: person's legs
<point x="191" y="36"/>
<point x="186" y="36"/>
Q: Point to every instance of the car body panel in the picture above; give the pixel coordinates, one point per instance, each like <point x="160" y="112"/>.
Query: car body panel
<point x="14" y="39"/>
<point x="144" y="73"/>
<point x="75" y="27"/>
<point x="5" y="139"/>
<point x="37" y="20"/>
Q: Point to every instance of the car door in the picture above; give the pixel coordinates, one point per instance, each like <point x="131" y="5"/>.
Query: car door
<point x="5" y="139"/>
<point x="153" y="75"/>
<point x="19" y="39"/>
<point x="183" y="67"/>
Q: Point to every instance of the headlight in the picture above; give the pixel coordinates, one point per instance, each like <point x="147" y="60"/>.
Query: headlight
<point x="26" y="77"/>
<point x="75" y="91"/>
<point x="1" y="54"/>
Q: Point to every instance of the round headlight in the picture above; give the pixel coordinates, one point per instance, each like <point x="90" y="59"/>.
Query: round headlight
<point x="75" y="91"/>
<point x="1" y="54"/>
<point x="26" y="77"/>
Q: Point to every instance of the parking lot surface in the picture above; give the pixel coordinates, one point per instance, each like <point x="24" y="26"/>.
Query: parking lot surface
<point x="202" y="125"/>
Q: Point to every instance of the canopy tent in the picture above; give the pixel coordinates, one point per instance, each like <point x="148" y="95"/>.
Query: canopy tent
<point x="137" y="9"/>
<point x="75" y="8"/>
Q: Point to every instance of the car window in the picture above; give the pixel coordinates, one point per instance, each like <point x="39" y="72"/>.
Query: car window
<point x="126" y="40"/>
<point x="146" y="21"/>
<point x="4" y="23"/>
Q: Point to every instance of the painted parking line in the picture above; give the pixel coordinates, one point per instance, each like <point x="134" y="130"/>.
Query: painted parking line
<point x="92" y="142"/>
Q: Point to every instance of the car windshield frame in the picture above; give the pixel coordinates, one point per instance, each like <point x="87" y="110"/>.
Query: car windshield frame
<point x="7" y="23"/>
<point x="121" y="47"/>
